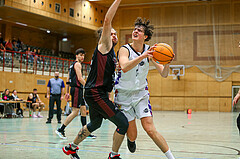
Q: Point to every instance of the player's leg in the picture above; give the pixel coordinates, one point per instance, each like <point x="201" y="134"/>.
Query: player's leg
<point x="83" y="112"/>
<point x="120" y="120"/>
<point x="148" y="126"/>
<point x="40" y="108"/>
<point x="75" y="110"/>
<point x="132" y="136"/>
<point x="61" y="131"/>
<point x="96" y="121"/>
<point x="35" y="105"/>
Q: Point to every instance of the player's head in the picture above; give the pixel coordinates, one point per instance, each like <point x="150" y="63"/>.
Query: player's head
<point x="142" y="30"/>
<point x="113" y="35"/>
<point x="35" y="91"/>
<point x="80" y="54"/>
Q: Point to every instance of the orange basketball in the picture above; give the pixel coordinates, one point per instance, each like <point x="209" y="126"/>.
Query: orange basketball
<point x="163" y="53"/>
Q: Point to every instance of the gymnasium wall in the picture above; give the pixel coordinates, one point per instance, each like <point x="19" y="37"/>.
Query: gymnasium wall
<point x="85" y="14"/>
<point x="25" y="83"/>
<point x="195" y="91"/>
<point x="188" y="28"/>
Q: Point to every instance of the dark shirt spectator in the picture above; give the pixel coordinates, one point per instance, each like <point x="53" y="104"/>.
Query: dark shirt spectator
<point x="1" y="42"/>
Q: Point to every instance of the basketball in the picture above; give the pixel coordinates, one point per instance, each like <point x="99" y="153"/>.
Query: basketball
<point x="163" y="53"/>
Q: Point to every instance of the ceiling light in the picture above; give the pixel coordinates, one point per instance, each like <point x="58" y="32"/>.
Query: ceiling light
<point x="48" y="31"/>
<point x="21" y="24"/>
<point x="64" y="39"/>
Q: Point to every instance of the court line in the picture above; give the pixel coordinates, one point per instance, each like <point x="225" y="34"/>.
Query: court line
<point x="40" y="147"/>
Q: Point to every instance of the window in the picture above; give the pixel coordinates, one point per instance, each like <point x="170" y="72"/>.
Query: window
<point x="50" y="5"/>
<point x="34" y="1"/>
<point x="78" y="14"/>
<point x="71" y="13"/>
<point x="64" y="10"/>
<point x="57" y="7"/>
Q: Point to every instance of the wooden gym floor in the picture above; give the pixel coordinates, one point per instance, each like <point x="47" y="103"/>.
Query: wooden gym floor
<point x="203" y="135"/>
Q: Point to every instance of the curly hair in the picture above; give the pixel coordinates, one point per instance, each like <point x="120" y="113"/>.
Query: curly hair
<point x="148" y="29"/>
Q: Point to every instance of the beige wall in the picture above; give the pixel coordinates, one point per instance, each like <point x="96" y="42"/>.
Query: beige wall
<point x="25" y="83"/>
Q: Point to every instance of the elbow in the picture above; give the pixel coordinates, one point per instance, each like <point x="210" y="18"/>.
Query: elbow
<point x="165" y="76"/>
<point x="107" y="21"/>
<point x="124" y="70"/>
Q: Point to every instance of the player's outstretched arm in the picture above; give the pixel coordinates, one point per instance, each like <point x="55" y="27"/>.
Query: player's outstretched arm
<point x="105" y="42"/>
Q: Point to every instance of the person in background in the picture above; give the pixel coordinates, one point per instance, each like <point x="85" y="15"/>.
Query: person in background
<point x="36" y="103"/>
<point x="235" y="100"/>
<point x="2" y="42"/>
<point x="19" y="111"/>
<point x="55" y="93"/>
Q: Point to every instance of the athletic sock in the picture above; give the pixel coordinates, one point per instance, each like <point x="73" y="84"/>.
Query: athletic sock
<point x="83" y="120"/>
<point x="34" y="113"/>
<point x="73" y="146"/>
<point x="113" y="154"/>
<point x="38" y="113"/>
<point x="62" y="127"/>
<point x="169" y="154"/>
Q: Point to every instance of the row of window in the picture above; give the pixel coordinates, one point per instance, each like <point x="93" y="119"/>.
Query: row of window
<point x="71" y="13"/>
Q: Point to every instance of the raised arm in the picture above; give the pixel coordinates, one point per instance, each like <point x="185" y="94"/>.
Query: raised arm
<point x="105" y="42"/>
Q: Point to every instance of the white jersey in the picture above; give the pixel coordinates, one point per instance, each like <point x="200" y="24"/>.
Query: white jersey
<point x="136" y="78"/>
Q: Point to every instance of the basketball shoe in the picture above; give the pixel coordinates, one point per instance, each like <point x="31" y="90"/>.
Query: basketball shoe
<point x="131" y="146"/>
<point x="69" y="151"/>
<point x="61" y="133"/>
<point x="114" y="157"/>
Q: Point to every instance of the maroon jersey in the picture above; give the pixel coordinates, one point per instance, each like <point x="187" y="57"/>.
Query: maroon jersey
<point x="102" y="70"/>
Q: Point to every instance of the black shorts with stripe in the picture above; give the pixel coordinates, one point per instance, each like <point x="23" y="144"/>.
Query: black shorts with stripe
<point x="77" y="97"/>
<point x="99" y="104"/>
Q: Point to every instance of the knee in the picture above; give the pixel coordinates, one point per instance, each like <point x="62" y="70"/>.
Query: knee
<point x="92" y="126"/>
<point x="123" y="127"/>
<point x="150" y="131"/>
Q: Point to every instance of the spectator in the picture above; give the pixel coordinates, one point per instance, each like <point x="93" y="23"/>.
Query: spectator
<point x="14" y="45"/>
<point x="29" y="54"/>
<point x="55" y="92"/>
<point x="36" y="103"/>
<point x="19" y="111"/>
<point x="2" y="42"/>
<point x="9" y="45"/>
<point x="6" y="96"/>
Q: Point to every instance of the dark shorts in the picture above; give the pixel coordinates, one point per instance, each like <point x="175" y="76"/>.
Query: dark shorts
<point x="77" y="97"/>
<point x="99" y="104"/>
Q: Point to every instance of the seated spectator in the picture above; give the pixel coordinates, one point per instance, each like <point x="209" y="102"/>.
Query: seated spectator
<point x="30" y="54"/>
<point x="9" y="45"/>
<point x="19" y="111"/>
<point x="14" y="45"/>
<point x="2" y="44"/>
<point x="36" y="103"/>
<point x="6" y="96"/>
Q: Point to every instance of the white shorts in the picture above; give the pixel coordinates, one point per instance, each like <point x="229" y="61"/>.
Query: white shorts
<point x="134" y="104"/>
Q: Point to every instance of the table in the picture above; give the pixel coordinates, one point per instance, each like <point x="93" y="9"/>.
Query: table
<point x="5" y="102"/>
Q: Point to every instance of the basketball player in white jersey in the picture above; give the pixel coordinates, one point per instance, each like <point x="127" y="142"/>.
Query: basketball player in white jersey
<point x="131" y="94"/>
